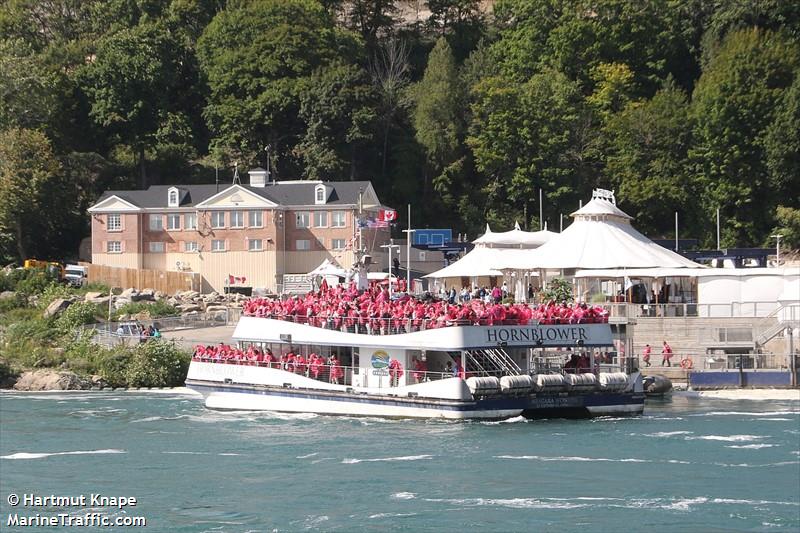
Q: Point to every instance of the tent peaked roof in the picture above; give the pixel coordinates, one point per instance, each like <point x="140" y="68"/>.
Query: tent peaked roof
<point x="328" y="268"/>
<point x="603" y="244"/>
<point x="515" y="238"/>
<point x="603" y="202"/>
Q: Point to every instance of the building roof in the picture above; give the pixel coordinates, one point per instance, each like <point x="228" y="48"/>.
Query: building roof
<point x="290" y="193"/>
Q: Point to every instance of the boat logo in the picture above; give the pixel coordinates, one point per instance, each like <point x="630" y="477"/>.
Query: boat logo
<point x="380" y="359"/>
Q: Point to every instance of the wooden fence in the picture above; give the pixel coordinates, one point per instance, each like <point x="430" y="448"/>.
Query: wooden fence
<point x="159" y="280"/>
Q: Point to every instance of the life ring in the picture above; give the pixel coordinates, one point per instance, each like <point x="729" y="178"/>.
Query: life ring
<point x="687" y="363"/>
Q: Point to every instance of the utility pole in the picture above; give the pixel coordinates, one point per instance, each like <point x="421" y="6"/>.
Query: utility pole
<point x="676" y="231"/>
<point x="409" y="233"/>
<point x="390" y="247"/>
<point x="777" y="238"/>
<point x="541" y="227"/>
<point x="718" y="228"/>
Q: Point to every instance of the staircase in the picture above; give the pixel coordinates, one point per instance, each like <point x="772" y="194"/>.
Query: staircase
<point x="493" y="361"/>
<point x="786" y="316"/>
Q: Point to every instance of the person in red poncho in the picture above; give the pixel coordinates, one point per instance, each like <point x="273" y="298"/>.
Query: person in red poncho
<point x="395" y="371"/>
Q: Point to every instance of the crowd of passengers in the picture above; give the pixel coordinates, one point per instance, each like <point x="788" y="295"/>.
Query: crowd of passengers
<point x="314" y="366"/>
<point x="373" y="311"/>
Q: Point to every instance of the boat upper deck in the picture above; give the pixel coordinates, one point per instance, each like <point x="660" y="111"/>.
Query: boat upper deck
<point x="450" y="338"/>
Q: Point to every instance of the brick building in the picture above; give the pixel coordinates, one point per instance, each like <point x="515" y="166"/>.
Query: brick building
<point x="260" y="231"/>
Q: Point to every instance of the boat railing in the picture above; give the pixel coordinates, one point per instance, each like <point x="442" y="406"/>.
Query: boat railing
<point x="394" y="326"/>
<point x="350" y="375"/>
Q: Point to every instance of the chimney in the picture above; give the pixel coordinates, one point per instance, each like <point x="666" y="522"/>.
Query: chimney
<point x="258" y="177"/>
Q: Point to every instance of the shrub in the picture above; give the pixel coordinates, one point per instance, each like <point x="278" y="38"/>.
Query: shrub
<point x="113" y="365"/>
<point x="13" y="302"/>
<point x="157" y="309"/>
<point x="52" y="292"/>
<point x="32" y="281"/>
<point x="157" y="363"/>
<point x="558" y="290"/>
<point x="76" y="315"/>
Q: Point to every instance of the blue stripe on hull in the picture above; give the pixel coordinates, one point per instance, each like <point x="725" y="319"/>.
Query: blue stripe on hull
<point x="551" y="406"/>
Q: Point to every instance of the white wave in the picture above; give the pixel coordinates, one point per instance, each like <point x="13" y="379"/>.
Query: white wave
<point x="796" y="452"/>
<point x="307" y="455"/>
<point x="752" y="394"/>
<point x="25" y="455"/>
<point x="678" y="462"/>
<point x="379" y="459"/>
<point x="229" y="454"/>
<point x="749" y="413"/>
<point x="667" y="433"/>
<point x="187" y="453"/>
<point x="751" y="446"/>
<point x="404" y="495"/>
<point x="391" y="515"/>
<point x="315" y="461"/>
<point x="776" y="419"/>
<point x="571" y="459"/>
<point x="729" y="438"/>
<point x="752" y="502"/>
<point x="512" y="503"/>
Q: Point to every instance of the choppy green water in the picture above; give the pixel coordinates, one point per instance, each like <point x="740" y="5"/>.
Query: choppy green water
<point x="687" y="465"/>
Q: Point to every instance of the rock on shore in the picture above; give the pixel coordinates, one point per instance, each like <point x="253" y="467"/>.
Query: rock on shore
<point x="40" y="380"/>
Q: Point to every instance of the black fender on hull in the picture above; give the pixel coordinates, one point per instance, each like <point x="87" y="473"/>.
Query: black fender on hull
<point x="656" y="385"/>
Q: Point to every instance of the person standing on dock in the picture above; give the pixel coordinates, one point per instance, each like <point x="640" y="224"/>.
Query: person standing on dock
<point x="646" y="354"/>
<point x="666" y="354"/>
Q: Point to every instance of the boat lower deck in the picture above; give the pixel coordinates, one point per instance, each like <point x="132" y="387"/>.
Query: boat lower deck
<point x="240" y="396"/>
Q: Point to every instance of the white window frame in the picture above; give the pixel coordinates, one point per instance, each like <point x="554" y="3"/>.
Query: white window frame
<point x="217" y="219"/>
<point x="215" y="243"/>
<point x="337" y="224"/>
<point x="173" y="197"/>
<point x="173" y="218"/>
<point x="306" y="246"/>
<point x="320" y="214"/>
<point x="159" y="226"/>
<point x="190" y="246"/>
<point x="113" y="222"/>
<point x="190" y="221"/>
<point x="255" y="245"/>
<point x="237" y="219"/>
<point x="255" y="215"/>
<point x="302" y="219"/>
<point x="114" y="247"/>
<point x="319" y="195"/>
<point x="156" y="247"/>
<point x="334" y="243"/>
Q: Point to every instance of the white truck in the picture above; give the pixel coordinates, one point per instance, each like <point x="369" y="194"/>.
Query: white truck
<point x="76" y="275"/>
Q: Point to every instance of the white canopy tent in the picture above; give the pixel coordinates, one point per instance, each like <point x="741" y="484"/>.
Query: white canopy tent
<point x="601" y="237"/>
<point x="516" y="238"/>
<point x="328" y="268"/>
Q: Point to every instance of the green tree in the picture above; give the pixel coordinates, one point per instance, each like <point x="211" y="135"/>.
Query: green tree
<point x="648" y="143"/>
<point x="788" y="226"/>
<point x="256" y="57"/>
<point x="337" y="105"/>
<point x="733" y="104"/>
<point x="782" y="145"/>
<point x="460" y="21"/>
<point x="439" y="123"/>
<point x="28" y="170"/>
<point x="129" y="84"/>
<point x="27" y="88"/>
<point x="530" y="136"/>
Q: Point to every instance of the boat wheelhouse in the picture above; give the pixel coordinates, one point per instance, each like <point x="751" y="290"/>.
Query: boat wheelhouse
<point x="412" y="368"/>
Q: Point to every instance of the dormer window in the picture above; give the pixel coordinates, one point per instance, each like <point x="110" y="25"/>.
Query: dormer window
<point x="320" y="194"/>
<point x="172" y="197"/>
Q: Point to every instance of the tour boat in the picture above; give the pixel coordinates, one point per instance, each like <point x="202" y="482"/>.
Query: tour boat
<point x="402" y="369"/>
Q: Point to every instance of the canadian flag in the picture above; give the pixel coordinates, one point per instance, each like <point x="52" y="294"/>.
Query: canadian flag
<point x="388" y="215"/>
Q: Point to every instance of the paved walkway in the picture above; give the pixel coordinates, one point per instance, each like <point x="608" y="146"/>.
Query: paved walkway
<point x="188" y="338"/>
